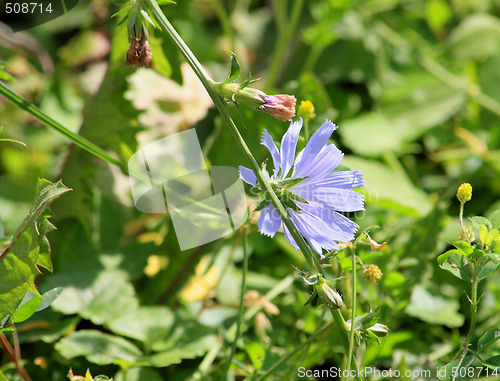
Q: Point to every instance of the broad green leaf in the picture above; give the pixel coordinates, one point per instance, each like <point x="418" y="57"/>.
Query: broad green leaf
<point x="476" y="37"/>
<point x="143" y="323"/>
<point x="28" y="249"/>
<point x="180" y="340"/>
<point x="495" y="219"/>
<point x="97" y="347"/>
<point x="100" y="299"/>
<point x="464" y="247"/>
<point x="434" y="308"/>
<point x="487" y="338"/>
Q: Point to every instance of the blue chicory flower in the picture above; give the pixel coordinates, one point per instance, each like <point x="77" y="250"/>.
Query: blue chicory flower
<point x="313" y="194"/>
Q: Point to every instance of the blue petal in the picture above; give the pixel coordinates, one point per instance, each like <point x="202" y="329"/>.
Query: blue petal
<point x="288" y="146"/>
<point x="314" y="145"/>
<point x="342" y="200"/>
<point x="247" y="175"/>
<point x="321" y="164"/>
<point x="268" y="141"/>
<point x="343" y="179"/>
<point x="325" y="225"/>
<point x="269" y="221"/>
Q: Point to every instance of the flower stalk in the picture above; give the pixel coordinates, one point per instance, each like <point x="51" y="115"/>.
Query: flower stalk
<point x="208" y="83"/>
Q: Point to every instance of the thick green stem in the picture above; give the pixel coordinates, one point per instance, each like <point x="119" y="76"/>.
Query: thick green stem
<point x="241" y="309"/>
<point x="352" y="343"/>
<point x="208" y="83"/>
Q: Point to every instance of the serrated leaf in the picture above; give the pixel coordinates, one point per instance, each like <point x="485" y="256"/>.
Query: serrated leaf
<point x="98" y="348"/>
<point x="28" y="249"/>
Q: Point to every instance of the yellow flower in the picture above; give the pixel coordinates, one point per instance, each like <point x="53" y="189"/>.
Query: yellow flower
<point x="464" y="193"/>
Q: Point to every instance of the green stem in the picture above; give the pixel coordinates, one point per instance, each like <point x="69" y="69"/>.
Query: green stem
<point x="352" y="343"/>
<point x="223" y="17"/>
<point x="208" y="83"/>
<point x="473" y="313"/>
<point x="292" y="353"/>
<point x="241" y="309"/>
<point x="344" y="337"/>
<point x="47" y="120"/>
<point x="286" y="29"/>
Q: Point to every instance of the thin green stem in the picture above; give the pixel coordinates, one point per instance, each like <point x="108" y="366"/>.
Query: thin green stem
<point x="223" y="17"/>
<point x="208" y="83"/>
<point x="82" y="142"/>
<point x="473" y="313"/>
<point x="352" y="343"/>
<point x="292" y="353"/>
<point x="88" y="146"/>
<point x="241" y="309"/>
<point x="344" y="337"/>
<point x="286" y="29"/>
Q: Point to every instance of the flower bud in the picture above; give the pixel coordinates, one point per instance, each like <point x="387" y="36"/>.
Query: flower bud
<point x="306" y="110"/>
<point x="329" y="296"/>
<point x="464" y="193"/>
<point x="281" y="106"/>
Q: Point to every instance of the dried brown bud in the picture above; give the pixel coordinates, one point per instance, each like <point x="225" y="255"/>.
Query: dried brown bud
<point x="139" y="53"/>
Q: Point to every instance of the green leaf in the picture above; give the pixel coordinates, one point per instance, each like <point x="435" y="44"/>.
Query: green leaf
<point x="434" y="308"/>
<point x="28" y="249"/>
<point x="257" y="354"/>
<point x="138" y="374"/>
<point x="458" y="266"/>
<point x="493" y="363"/>
<point x="446" y="374"/>
<point x="477" y="37"/>
<point x="27" y="308"/>
<point x="487" y="338"/>
<point x="464" y="247"/>
<point x="444" y="257"/>
<point x="98" y="348"/>
<point x="495" y="219"/>
<point x="179" y="340"/>
<point x="164" y="2"/>
<point x="477" y="221"/>
<point x="143" y="323"/>
<point x="235" y="69"/>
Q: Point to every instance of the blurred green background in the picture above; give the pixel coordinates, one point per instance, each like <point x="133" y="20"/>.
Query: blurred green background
<point x="414" y="87"/>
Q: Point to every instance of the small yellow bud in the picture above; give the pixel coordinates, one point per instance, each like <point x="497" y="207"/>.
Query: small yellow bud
<point x="306" y="110"/>
<point x="372" y="274"/>
<point x="464" y="193"/>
